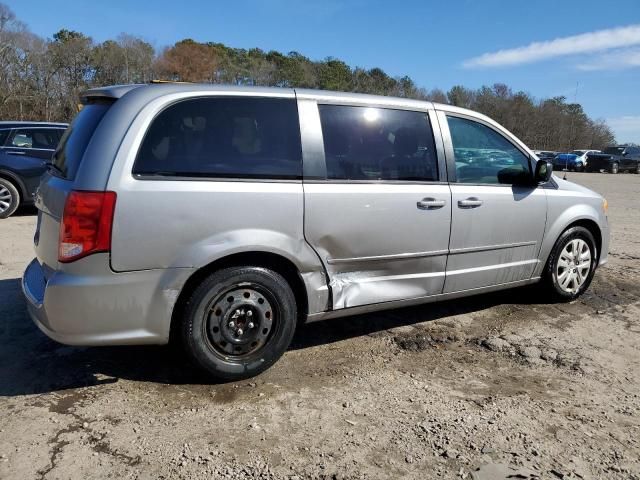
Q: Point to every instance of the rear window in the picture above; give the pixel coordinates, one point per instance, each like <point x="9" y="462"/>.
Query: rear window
<point x="225" y="138"/>
<point x="75" y="139"/>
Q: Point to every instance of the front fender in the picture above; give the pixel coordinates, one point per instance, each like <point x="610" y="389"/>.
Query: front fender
<point x="561" y="215"/>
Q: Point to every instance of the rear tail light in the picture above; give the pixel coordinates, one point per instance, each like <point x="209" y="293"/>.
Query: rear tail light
<point x="86" y="224"/>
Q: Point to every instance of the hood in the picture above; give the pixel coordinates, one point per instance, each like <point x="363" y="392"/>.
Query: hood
<point x="574" y="187"/>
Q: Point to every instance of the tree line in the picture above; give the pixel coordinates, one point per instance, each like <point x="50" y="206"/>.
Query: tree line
<point x="41" y="79"/>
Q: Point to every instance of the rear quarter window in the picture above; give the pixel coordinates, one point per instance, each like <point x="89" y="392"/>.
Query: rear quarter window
<point x="223" y="137"/>
<point x="75" y="139"/>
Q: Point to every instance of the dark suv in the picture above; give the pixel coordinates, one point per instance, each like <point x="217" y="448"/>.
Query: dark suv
<point x="25" y="148"/>
<point x="615" y="159"/>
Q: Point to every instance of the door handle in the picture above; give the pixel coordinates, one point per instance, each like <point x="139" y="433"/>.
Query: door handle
<point x="471" y="202"/>
<point x="430" y="204"/>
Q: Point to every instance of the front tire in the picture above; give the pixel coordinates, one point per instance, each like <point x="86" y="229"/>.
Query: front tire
<point x="572" y="264"/>
<point x="9" y="198"/>
<point x="238" y="322"/>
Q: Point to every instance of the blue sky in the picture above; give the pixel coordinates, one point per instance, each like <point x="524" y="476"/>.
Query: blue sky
<point x="438" y="44"/>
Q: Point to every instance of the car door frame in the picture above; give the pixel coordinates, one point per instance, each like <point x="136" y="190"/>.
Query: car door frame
<point x="314" y="172"/>
<point x="442" y="111"/>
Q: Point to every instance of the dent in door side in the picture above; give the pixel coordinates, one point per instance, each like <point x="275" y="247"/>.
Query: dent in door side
<point x="383" y="264"/>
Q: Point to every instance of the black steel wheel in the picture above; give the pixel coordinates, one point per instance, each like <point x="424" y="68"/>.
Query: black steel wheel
<point x="239" y="321"/>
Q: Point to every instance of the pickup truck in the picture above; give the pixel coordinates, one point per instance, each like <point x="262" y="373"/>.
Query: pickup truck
<point x="615" y="159"/>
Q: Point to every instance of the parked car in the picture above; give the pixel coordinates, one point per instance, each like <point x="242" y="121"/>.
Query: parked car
<point x="569" y="161"/>
<point x="582" y="155"/>
<point x="25" y="147"/>
<point x="621" y="158"/>
<point x="179" y="211"/>
<point x="36" y="139"/>
<point x="545" y="155"/>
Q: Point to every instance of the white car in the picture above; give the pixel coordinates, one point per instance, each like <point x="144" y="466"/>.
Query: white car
<point x="582" y="156"/>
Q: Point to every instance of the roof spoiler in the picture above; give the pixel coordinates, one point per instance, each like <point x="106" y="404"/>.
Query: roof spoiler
<point x="112" y="92"/>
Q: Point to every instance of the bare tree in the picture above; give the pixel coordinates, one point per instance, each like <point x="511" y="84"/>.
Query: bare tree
<point x="43" y="78"/>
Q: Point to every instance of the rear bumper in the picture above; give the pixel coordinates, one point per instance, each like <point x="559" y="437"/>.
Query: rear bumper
<point x="92" y="305"/>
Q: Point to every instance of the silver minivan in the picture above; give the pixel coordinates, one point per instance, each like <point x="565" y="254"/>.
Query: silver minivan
<point x="223" y="216"/>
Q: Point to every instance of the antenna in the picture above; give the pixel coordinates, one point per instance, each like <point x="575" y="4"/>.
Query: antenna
<point x="566" y="158"/>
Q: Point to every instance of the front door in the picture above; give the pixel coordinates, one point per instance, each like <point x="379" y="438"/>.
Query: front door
<point x="377" y="211"/>
<point x="497" y="226"/>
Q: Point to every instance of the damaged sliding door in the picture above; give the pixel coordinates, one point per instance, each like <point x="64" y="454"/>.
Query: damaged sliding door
<point x="377" y="208"/>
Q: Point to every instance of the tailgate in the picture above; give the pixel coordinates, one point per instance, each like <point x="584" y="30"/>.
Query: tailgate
<point x="50" y="199"/>
<point x="58" y="181"/>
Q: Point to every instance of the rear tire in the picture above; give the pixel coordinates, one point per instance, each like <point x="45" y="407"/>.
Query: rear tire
<point x="614" y="168"/>
<point x="238" y="322"/>
<point x="571" y="265"/>
<point x="9" y="198"/>
<point x="637" y="170"/>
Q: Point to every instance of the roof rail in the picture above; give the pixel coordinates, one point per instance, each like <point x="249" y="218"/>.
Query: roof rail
<point x="157" y="80"/>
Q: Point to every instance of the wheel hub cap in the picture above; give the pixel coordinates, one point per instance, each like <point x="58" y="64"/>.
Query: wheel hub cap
<point x="574" y="265"/>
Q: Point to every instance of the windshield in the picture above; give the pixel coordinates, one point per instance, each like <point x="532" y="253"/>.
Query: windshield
<point x="578" y="152"/>
<point x="614" y="150"/>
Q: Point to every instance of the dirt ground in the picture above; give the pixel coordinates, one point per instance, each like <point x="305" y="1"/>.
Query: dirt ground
<point x="496" y="386"/>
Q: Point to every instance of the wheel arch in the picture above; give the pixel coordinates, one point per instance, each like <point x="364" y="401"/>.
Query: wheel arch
<point x="16" y="181"/>
<point x="587" y="222"/>
<point x="593" y="228"/>
<point x="264" y="259"/>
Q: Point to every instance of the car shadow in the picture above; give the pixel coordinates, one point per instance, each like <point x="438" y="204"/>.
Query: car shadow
<point x="25" y="211"/>
<point x="31" y="363"/>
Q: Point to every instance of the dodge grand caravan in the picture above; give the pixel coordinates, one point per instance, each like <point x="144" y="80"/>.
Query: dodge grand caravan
<point x="222" y="216"/>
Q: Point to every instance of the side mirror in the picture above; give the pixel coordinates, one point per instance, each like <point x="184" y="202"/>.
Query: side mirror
<point x="543" y="171"/>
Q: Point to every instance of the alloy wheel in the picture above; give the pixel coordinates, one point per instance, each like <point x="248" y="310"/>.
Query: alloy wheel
<point x="5" y="199"/>
<point x="574" y="265"/>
